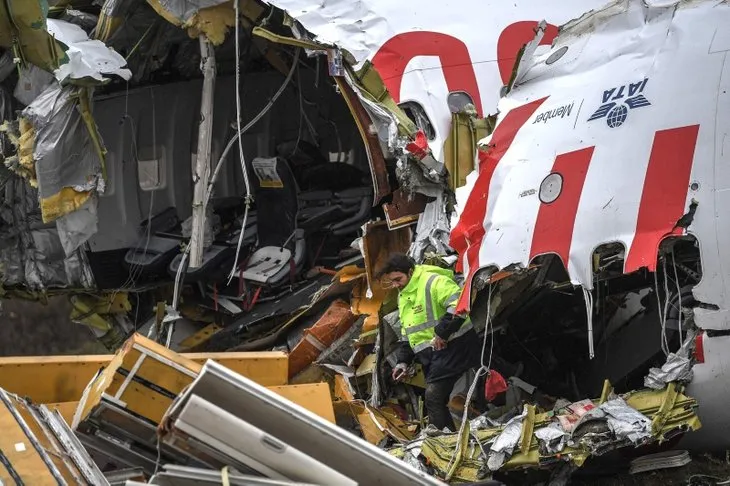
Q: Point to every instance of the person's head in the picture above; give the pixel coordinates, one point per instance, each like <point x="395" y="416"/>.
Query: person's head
<point x="397" y="271"/>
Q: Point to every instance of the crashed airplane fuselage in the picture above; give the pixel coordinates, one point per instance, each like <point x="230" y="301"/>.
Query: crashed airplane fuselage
<point x="598" y="197"/>
<point x="610" y="147"/>
<point x="608" y="161"/>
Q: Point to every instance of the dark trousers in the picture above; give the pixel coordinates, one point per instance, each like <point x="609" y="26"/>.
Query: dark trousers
<point x="437" y="400"/>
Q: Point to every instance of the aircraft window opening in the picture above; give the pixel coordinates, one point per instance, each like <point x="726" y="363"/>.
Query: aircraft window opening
<point x="151" y="167"/>
<point x="458" y="101"/>
<point x="148" y="173"/>
<point x="417" y="114"/>
<point x="555" y="56"/>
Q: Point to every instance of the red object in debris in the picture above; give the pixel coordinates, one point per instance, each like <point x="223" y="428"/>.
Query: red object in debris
<point x="700" y="347"/>
<point x="334" y="323"/>
<point x="419" y="147"/>
<point x="494" y="386"/>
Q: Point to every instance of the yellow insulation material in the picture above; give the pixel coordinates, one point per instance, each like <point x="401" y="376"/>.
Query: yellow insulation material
<point x="22" y="136"/>
<point x="26" y="166"/>
<point x="213" y="22"/>
<point x="66" y="201"/>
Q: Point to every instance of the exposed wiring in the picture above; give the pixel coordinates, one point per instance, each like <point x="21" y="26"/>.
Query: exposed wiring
<point x="301" y="111"/>
<point x="241" y="158"/>
<point x="223" y="156"/>
<point x="253" y="121"/>
<point x="666" y="305"/>
<point x="665" y="348"/>
<point x="135" y="269"/>
<point x="679" y="297"/>
<point x="588" y="297"/>
<point x="482" y="371"/>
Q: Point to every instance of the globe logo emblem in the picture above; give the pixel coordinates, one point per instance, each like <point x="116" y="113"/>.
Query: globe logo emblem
<point x="619" y="101"/>
<point x="617" y="116"/>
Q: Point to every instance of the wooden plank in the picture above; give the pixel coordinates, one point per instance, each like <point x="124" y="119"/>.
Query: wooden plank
<point x="18" y="451"/>
<point x="66" y="409"/>
<point x="30" y="449"/>
<point x="314" y="397"/>
<point x="66" y="377"/>
<point x="144" y="376"/>
<point x="267" y="368"/>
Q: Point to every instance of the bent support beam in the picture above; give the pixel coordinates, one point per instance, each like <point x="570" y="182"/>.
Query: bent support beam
<point x="202" y="164"/>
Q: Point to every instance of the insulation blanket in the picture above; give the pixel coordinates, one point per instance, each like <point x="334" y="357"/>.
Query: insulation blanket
<point x="67" y="164"/>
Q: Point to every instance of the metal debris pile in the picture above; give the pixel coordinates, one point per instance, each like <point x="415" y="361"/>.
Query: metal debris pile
<point x="547" y="439"/>
<point x="219" y="179"/>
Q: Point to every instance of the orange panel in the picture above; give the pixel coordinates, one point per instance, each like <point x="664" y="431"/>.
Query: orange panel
<point x="333" y="324"/>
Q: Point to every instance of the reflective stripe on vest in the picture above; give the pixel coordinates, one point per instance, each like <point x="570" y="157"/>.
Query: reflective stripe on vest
<point x="451" y="303"/>
<point x="423" y="341"/>
<point x="417" y="334"/>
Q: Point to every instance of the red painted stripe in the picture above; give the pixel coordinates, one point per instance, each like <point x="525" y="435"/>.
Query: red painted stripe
<point x="394" y="55"/>
<point x="511" y="40"/>
<point x="664" y="194"/>
<point x="466" y="237"/>
<point x="555" y="221"/>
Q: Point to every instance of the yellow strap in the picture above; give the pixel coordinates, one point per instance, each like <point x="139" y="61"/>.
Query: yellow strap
<point x="280" y="39"/>
<point x="224" y="477"/>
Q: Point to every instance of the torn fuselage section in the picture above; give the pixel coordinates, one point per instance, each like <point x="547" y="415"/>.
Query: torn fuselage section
<point x="591" y="242"/>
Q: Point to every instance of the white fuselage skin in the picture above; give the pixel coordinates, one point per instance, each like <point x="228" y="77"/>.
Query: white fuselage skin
<point x="634" y="113"/>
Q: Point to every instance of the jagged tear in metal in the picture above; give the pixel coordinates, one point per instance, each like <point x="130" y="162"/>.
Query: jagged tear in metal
<point x="87" y="58"/>
<point x="184" y="10"/>
<point x="67" y="165"/>
<point x="562" y="174"/>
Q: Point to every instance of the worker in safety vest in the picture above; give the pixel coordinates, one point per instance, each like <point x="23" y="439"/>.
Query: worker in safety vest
<point x="445" y="344"/>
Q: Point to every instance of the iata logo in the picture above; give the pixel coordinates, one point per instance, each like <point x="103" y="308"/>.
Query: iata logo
<point x="618" y="101"/>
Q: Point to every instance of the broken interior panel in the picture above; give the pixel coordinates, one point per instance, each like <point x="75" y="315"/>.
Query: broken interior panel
<point x="566" y="342"/>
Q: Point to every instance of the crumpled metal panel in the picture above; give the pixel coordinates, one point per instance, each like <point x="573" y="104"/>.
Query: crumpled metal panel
<point x="76" y="227"/>
<point x="87" y="58"/>
<point x="626" y="422"/>
<point x="623" y="421"/>
<point x="552" y="438"/>
<point x="432" y="231"/>
<point x="32" y="255"/>
<point x="505" y="443"/>
<point x="677" y="368"/>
